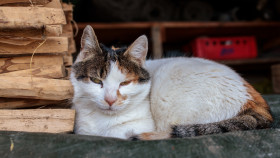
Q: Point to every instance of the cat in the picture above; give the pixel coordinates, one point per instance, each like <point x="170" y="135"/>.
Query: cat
<point x="117" y="93"/>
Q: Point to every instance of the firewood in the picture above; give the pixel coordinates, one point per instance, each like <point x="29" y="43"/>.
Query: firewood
<point x="54" y="71"/>
<point x="24" y="46"/>
<point x="12" y="103"/>
<point x="35" y="88"/>
<point x="44" y="31"/>
<point x="22" y="63"/>
<point x="67" y="7"/>
<point x="54" y="4"/>
<point x="35" y="2"/>
<point x="28" y="17"/>
<point x="38" y="120"/>
<point x="68" y="60"/>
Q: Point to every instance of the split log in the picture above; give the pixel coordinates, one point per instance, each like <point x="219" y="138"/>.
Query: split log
<point x="13" y="103"/>
<point x="68" y="69"/>
<point x="54" y="4"/>
<point x="23" y="63"/>
<point x="72" y="46"/>
<point x="35" y="2"/>
<point x="28" y="17"/>
<point x="25" y="46"/>
<point x="44" y="31"/>
<point x="54" y="71"/>
<point x="35" y="88"/>
<point x="38" y="120"/>
<point x="68" y="60"/>
<point x="67" y="7"/>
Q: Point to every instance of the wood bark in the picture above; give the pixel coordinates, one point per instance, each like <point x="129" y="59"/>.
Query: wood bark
<point x="35" y="88"/>
<point x="38" y="120"/>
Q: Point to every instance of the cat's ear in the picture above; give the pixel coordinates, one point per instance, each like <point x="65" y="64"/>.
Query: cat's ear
<point x="89" y="44"/>
<point x="138" y="49"/>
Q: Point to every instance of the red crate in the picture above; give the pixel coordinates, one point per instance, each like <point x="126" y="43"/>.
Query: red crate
<point x="222" y="48"/>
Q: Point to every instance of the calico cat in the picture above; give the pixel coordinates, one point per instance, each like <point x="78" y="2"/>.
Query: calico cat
<point x="119" y="94"/>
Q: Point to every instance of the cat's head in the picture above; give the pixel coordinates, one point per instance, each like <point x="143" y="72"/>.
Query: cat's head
<point x="110" y="80"/>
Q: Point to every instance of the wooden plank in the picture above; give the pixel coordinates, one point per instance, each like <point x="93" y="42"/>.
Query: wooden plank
<point x="51" y="45"/>
<point x="137" y="25"/>
<point x="44" y="31"/>
<point x="13" y="103"/>
<point x="35" y="88"/>
<point x="26" y="17"/>
<point x="35" y="2"/>
<point x="53" y="71"/>
<point x="22" y="63"/>
<point x="38" y="120"/>
<point x="157" y="42"/>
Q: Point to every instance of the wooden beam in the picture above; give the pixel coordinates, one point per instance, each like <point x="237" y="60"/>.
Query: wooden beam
<point x="28" y="17"/>
<point x="38" y="120"/>
<point x="35" y="88"/>
<point x="54" y="71"/>
<point x="22" y="63"/>
<point x="157" y="42"/>
<point x="27" y="46"/>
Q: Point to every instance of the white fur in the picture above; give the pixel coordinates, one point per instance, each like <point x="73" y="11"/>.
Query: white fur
<point x="193" y="91"/>
<point x="122" y="119"/>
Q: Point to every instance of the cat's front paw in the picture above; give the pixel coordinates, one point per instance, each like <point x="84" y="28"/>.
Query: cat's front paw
<point x="134" y="138"/>
<point x="150" y="136"/>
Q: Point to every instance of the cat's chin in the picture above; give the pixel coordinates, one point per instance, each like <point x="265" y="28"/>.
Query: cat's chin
<point x="109" y="110"/>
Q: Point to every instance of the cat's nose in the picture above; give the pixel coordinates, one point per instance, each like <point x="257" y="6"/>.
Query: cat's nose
<point x="110" y="101"/>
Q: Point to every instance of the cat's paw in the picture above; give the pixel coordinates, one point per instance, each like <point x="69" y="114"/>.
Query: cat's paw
<point x="150" y="136"/>
<point x="134" y="138"/>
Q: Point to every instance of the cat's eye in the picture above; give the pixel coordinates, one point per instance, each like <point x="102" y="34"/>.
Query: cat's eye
<point x="125" y="83"/>
<point x="81" y="77"/>
<point x="95" y="80"/>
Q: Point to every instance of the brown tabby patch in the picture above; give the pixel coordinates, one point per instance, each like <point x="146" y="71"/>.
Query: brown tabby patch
<point x="98" y="66"/>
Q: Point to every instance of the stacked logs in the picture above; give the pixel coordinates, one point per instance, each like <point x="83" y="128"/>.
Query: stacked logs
<point x="36" y="46"/>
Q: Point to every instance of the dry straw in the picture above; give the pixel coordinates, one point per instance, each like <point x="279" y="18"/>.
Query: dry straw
<point x="31" y="60"/>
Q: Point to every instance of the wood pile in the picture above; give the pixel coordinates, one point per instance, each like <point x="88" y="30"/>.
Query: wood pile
<point x="36" y="46"/>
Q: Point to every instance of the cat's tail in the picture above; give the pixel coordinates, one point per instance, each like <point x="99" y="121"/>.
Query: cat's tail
<point x="255" y="114"/>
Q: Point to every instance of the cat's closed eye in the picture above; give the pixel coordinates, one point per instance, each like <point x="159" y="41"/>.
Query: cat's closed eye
<point x="81" y="77"/>
<point x="95" y="80"/>
<point x="125" y="83"/>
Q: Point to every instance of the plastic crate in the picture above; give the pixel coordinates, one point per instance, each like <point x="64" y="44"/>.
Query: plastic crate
<point x="222" y="48"/>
